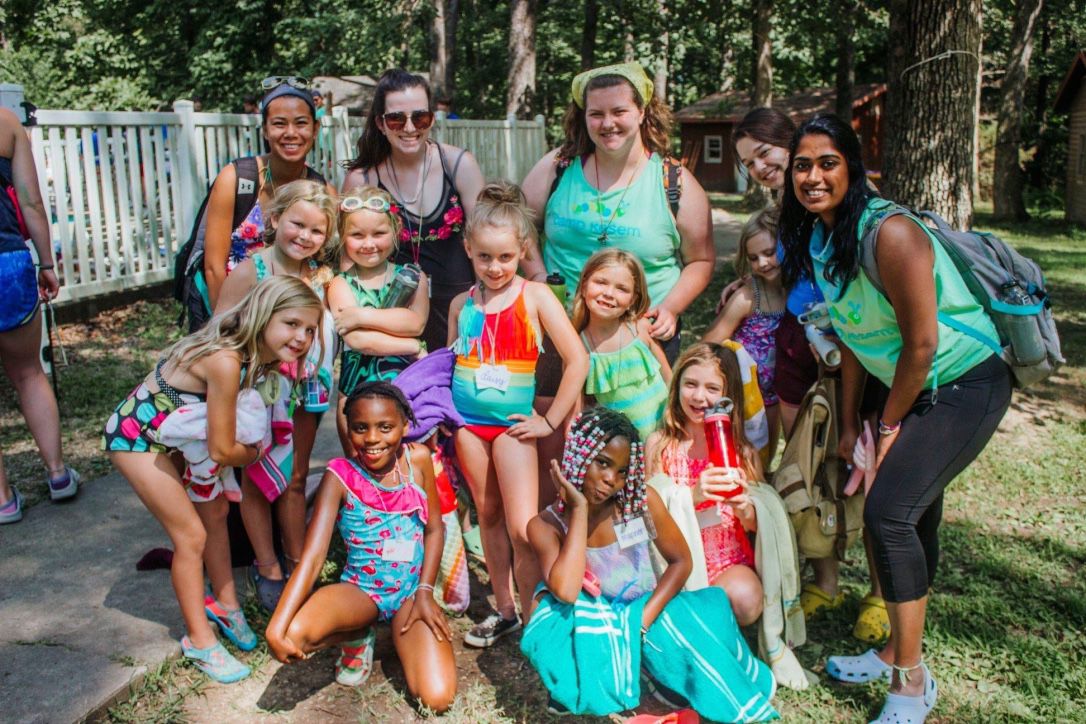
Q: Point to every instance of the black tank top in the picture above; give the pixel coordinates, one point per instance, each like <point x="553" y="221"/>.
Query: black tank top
<point x="438" y="246"/>
<point x="11" y="239"/>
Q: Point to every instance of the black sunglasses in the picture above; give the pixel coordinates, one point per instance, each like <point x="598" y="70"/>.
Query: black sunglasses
<point x="397" y="120"/>
<point x="294" y="81"/>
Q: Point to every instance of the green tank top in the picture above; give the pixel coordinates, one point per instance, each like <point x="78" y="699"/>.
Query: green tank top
<point x="576" y="216"/>
<point x="864" y="319"/>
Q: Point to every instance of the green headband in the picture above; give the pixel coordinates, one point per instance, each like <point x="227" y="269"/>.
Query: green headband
<point x="631" y="71"/>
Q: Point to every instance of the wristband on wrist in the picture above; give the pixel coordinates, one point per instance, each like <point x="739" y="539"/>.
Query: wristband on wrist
<point x="885" y="429"/>
<point x="43" y="267"/>
<point x="548" y="422"/>
<point x="425" y="587"/>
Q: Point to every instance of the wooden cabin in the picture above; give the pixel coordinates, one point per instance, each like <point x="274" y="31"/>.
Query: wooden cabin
<point x="1072" y="100"/>
<point x="706" y="129"/>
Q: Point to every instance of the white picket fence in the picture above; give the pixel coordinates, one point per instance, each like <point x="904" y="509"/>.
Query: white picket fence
<point x="123" y="188"/>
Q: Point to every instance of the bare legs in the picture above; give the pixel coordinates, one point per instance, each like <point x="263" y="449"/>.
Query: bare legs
<point x="341" y="612"/>
<point x="156" y="482"/>
<point x="744" y="590"/>
<point x="502" y="476"/>
<point x="19" y="354"/>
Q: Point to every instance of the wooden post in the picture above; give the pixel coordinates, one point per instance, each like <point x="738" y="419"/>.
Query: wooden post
<point x="183" y="168"/>
<point x="510" y="170"/>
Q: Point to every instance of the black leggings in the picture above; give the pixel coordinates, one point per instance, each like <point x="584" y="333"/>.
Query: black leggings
<point x="936" y="442"/>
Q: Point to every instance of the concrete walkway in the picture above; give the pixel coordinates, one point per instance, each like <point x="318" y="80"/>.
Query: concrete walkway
<point x="80" y="624"/>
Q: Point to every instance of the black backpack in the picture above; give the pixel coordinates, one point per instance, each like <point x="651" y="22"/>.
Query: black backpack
<point x="190" y="257"/>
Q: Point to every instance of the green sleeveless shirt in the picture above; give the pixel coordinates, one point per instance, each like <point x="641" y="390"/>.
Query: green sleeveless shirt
<point x="576" y="216"/>
<point x="865" y="321"/>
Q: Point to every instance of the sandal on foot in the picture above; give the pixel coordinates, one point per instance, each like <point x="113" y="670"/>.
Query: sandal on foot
<point x="215" y="661"/>
<point x="873" y="623"/>
<point x="813" y="599"/>
<point x="12" y="511"/>
<point x="901" y="709"/>
<point x="858" y="669"/>
<point x="232" y="623"/>
<point x="355" y="661"/>
<point x="268" y="591"/>
<point x="65" y="486"/>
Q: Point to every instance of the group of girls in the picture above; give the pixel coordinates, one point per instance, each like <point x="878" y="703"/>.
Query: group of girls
<point x="633" y="524"/>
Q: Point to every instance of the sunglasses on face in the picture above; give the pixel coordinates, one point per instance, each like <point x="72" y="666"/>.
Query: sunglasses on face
<point x="294" y="81"/>
<point x="373" y="203"/>
<point x="397" y="120"/>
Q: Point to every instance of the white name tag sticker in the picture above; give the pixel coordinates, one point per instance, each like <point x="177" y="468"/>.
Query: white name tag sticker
<point x="398" y="550"/>
<point x="631" y="533"/>
<point x="495" y="377"/>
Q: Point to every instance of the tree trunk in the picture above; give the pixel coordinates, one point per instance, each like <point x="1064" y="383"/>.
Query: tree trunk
<point x="932" y="105"/>
<point x="521" y="92"/>
<point x="763" y="57"/>
<point x="629" y="42"/>
<point x="588" y="34"/>
<point x="1041" y="103"/>
<point x="1007" y="176"/>
<point x="659" y="79"/>
<point x="846" y="58"/>
<point x="439" y="50"/>
<point x="452" y="21"/>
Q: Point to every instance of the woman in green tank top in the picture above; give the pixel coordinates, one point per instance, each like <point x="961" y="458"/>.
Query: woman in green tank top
<point x="611" y="194"/>
<point x="947" y="392"/>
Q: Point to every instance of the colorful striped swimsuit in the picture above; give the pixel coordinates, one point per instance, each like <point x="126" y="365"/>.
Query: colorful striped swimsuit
<point x="489" y="347"/>
<point x="628" y="380"/>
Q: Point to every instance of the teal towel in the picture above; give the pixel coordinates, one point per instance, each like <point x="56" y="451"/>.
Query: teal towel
<point x="695" y="649"/>
<point x="582" y="652"/>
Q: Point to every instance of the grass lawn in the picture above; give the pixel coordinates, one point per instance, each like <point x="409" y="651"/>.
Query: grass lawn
<point x="1006" y="631"/>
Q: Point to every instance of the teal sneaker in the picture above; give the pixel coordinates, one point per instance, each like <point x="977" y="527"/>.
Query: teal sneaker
<point x="232" y="623"/>
<point x="216" y="662"/>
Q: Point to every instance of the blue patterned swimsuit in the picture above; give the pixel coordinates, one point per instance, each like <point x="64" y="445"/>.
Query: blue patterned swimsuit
<point x="372" y="518"/>
<point x="758" y="334"/>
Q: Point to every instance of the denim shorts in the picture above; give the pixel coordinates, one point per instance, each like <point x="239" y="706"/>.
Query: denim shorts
<point x="19" y="280"/>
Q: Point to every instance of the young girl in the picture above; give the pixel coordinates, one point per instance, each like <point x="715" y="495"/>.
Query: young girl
<point x="752" y="314"/>
<point x="495" y="330"/>
<point x="600" y="588"/>
<point x="704" y="374"/>
<point x="379" y="343"/>
<point x="300" y="219"/>
<point x="385" y="505"/>
<point x="274" y="324"/>
<point x="627" y="370"/>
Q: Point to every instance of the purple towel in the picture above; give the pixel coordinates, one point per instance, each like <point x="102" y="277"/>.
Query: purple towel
<point x="427" y="384"/>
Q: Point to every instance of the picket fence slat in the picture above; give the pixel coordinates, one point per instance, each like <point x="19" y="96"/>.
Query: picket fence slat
<point x="122" y="187"/>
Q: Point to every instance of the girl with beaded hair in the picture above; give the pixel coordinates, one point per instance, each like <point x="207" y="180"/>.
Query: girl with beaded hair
<point x="595" y="550"/>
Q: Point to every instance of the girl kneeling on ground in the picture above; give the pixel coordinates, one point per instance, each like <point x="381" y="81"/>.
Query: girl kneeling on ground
<point x="275" y="323"/>
<point x="385" y="505"/>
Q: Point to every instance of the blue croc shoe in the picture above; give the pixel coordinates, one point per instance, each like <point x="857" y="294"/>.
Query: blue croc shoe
<point x="901" y="709"/>
<point x="232" y="624"/>
<point x="858" y="669"/>
<point x="215" y="661"/>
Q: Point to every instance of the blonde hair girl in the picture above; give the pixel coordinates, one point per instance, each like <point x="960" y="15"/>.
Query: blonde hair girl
<point x="704" y="374"/>
<point x="378" y="342"/>
<point x="276" y="323"/>
<point x="301" y="219"/>
<point x="752" y="314"/>
<point x="627" y="370"/>
<point x="496" y="331"/>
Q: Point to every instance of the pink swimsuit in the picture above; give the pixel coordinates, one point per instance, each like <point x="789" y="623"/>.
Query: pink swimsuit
<point x="726" y="543"/>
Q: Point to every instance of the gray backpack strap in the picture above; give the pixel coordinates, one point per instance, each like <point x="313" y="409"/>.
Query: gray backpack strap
<point x="868" y="242"/>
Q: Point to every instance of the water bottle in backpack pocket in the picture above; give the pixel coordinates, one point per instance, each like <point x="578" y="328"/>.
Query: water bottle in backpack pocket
<point x="1015" y="316"/>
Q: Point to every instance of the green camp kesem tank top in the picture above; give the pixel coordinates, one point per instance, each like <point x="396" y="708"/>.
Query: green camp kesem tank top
<point x="643" y="225"/>
<point x="864" y="319"/>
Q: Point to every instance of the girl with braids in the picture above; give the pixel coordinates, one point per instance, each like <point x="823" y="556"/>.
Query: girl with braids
<point x="385" y="504"/>
<point x="601" y="598"/>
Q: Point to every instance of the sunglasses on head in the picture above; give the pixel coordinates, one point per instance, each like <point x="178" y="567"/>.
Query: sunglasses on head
<point x="397" y="120"/>
<point x="294" y="81"/>
<point x="372" y="203"/>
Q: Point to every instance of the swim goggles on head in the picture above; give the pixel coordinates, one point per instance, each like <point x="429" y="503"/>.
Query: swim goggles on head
<point x="294" y="81"/>
<point x="371" y="203"/>
<point x="397" y="120"/>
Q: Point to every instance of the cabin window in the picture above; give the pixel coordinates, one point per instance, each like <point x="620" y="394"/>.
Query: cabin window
<point x="714" y="149"/>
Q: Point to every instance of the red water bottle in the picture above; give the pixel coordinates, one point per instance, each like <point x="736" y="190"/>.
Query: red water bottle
<point x="721" y="442"/>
